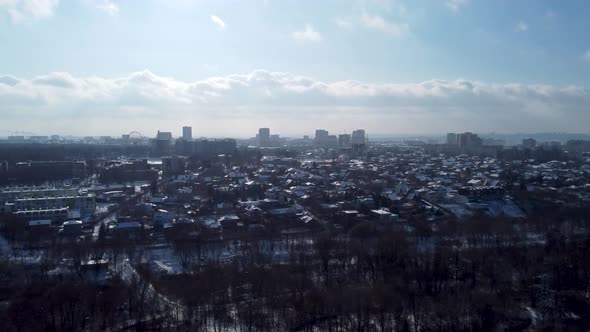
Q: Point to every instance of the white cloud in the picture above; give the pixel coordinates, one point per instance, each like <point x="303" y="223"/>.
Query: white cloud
<point x="379" y="23"/>
<point x="308" y="34"/>
<point x="20" y="10"/>
<point x="586" y="55"/>
<point x="292" y="103"/>
<point x="456" y="5"/>
<point x="521" y="27"/>
<point x="109" y="7"/>
<point x="219" y="22"/>
<point x="343" y="23"/>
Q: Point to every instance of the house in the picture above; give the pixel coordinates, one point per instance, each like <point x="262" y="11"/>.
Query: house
<point x="40" y="224"/>
<point x="384" y="215"/>
<point x="162" y="217"/>
<point x="127" y="227"/>
<point x="72" y="227"/>
<point x="276" y="194"/>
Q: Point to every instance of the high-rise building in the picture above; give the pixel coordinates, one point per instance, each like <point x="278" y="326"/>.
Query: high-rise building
<point x="206" y="149"/>
<point x="359" y="137"/>
<point x="263" y="137"/>
<point x="469" y="140"/>
<point x="321" y="137"/>
<point x="163" y="143"/>
<point x="529" y="143"/>
<point x="324" y="139"/>
<point x="466" y="139"/>
<point x="275" y="140"/>
<point x="344" y="140"/>
<point x="359" y="141"/>
<point x="452" y="139"/>
<point x="331" y="141"/>
<point x="164" y="136"/>
<point x="321" y="134"/>
<point x="187" y="133"/>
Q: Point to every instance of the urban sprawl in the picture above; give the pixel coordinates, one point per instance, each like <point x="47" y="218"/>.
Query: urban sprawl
<point x="185" y="205"/>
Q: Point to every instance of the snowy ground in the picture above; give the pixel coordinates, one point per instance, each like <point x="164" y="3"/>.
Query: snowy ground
<point x="103" y="207"/>
<point x="493" y="208"/>
<point x="163" y="259"/>
<point x="5" y="248"/>
<point x="458" y="210"/>
<point x="109" y="218"/>
<point x="505" y="207"/>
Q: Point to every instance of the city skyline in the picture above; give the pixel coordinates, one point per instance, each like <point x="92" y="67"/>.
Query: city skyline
<point x="391" y="67"/>
<point x="294" y="165"/>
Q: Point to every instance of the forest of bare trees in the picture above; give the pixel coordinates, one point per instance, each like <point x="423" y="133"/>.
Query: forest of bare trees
<point x="481" y="274"/>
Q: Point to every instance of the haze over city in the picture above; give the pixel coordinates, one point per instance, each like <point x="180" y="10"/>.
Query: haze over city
<point x="227" y="68"/>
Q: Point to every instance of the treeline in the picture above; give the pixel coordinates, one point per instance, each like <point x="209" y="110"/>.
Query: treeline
<point x="15" y="152"/>
<point x="385" y="280"/>
<point x="483" y="274"/>
<point x="36" y="302"/>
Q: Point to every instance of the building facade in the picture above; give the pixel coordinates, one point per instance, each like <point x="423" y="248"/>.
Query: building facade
<point x="187" y="133"/>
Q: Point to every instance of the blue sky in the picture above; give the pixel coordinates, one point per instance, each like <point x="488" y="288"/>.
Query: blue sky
<point x="229" y="67"/>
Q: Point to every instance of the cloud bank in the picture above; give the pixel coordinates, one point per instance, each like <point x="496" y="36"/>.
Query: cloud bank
<point x="20" y="10"/>
<point x="235" y="105"/>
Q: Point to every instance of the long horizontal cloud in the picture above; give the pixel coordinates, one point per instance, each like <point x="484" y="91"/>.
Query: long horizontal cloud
<point x="281" y="96"/>
<point x="19" y="10"/>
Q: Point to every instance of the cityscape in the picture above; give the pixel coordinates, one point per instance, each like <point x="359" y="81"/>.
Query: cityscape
<point x="153" y="211"/>
<point x="296" y="166"/>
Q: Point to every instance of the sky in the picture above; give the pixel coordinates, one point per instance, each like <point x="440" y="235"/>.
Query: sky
<point x="226" y="68"/>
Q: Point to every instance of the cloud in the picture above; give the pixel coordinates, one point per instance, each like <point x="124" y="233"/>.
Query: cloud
<point x="108" y="7"/>
<point x="56" y="79"/>
<point x="379" y="23"/>
<point x="21" y="10"/>
<point x="373" y="22"/>
<point x="456" y="5"/>
<point x="521" y="27"/>
<point x="343" y="23"/>
<point x="236" y="104"/>
<point x="308" y="34"/>
<point x="219" y="22"/>
<point x="9" y="80"/>
<point x="586" y="55"/>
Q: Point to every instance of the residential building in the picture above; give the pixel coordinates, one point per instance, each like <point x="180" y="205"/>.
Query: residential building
<point x="344" y="140"/>
<point x="264" y="137"/>
<point x="187" y="133"/>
